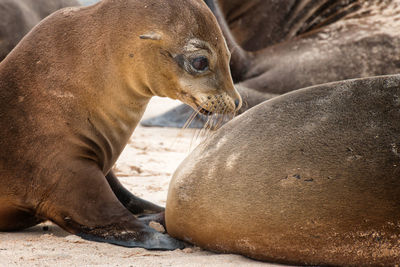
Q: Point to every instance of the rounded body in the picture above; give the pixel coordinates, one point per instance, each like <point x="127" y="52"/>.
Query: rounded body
<point x="310" y="177"/>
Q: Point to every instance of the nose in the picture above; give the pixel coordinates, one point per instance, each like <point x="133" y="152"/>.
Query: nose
<point x="235" y="96"/>
<point x="237" y="104"/>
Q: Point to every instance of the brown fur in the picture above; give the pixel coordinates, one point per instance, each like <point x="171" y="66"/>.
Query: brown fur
<point x="306" y="42"/>
<point x="17" y="18"/>
<point x="308" y="178"/>
<point x="71" y="94"/>
<point x="256" y="24"/>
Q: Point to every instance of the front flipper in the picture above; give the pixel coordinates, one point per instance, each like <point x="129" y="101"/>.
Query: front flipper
<point x="134" y="204"/>
<point x="82" y="203"/>
<point x="147" y="238"/>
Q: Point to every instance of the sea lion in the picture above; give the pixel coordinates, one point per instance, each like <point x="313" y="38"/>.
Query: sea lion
<point x="71" y="94"/>
<point x="319" y="42"/>
<point x="331" y="37"/>
<point x="17" y="18"/>
<point x="308" y="178"/>
<point x="254" y="24"/>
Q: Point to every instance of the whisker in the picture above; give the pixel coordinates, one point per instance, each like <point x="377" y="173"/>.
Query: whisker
<point x="191" y="118"/>
<point x="185" y="126"/>
<point x="194" y="139"/>
<point x="205" y="127"/>
<point x="198" y="131"/>
<point x="221" y="118"/>
<point x="212" y="123"/>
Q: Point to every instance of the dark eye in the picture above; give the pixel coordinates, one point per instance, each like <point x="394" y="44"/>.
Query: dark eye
<point x="200" y="63"/>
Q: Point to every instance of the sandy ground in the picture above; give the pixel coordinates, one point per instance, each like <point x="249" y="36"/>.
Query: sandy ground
<point x="145" y="168"/>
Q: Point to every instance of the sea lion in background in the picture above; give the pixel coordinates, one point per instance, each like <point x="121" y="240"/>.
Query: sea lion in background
<point x="256" y="24"/>
<point x="17" y="18"/>
<point x="71" y="94"/>
<point x="308" y="178"/>
<point x="324" y="37"/>
<point x="321" y="41"/>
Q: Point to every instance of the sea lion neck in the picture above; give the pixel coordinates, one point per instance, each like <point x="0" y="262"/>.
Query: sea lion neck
<point x="96" y="101"/>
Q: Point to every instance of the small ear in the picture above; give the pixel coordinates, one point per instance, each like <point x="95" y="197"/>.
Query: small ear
<point x="151" y="36"/>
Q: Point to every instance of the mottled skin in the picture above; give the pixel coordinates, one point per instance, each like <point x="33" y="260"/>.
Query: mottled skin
<point x="306" y="43"/>
<point x="71" y="94"/>
<point x="311" y="177"/>
<point x="17" y="18"/>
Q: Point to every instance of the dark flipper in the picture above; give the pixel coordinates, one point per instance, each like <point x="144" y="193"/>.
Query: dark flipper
<point x="134" y="204"/>
<point x="92" y="211"/>
<point x="148" y="239"/>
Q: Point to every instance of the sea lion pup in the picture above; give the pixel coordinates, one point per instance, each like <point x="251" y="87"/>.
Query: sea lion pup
<point x="17" y="18"/>
<point x="310" y="177"/>
<point x="311" y="42"/>
<point x="71" y="94"/>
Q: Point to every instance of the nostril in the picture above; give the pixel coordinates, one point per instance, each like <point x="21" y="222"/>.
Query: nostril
<point x="237" y="102"/>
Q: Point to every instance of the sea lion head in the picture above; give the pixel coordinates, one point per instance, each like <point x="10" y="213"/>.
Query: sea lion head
<point x="184" y="56"/>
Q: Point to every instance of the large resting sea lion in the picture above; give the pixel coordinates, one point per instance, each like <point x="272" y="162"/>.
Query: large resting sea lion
<point x="324" y="41"/>
<point x="311" y="177"/>
<point x="17" y="18"/>
<point x="71" y="94"/>
<point x="310" y="43"/>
